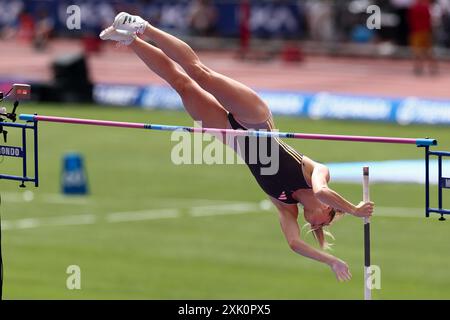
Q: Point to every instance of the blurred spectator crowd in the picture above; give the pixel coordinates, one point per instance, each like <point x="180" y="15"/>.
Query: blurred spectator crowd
<point x="327" y="21"/>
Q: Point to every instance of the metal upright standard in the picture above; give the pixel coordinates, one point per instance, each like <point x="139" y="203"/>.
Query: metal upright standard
<point x="7" y="120"/>
<point x="443" y="183"/>
<point x="22" y="153"/>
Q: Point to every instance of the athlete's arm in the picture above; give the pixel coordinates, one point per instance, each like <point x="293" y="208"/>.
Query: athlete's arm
<point x="319" y="180"/>
<point x="291" y="230"/>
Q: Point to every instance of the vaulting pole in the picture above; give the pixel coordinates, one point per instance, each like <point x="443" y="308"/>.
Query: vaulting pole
<point x="366" y="198"/>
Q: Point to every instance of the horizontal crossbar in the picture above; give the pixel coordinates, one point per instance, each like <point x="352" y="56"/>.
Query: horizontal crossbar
<point x="291" y="135"/>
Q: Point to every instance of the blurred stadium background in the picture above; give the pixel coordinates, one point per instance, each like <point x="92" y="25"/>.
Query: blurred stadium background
<point x="151" y="230"/>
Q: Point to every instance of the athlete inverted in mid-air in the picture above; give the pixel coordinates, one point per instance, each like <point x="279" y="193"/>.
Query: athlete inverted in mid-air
<point x="220" y="102"/>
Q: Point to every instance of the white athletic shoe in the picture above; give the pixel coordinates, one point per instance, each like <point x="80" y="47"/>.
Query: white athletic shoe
<point x="128" y="22"/>
<point x="121" y="36"/>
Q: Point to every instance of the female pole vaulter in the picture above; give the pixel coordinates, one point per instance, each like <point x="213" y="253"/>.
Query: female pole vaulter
<point x="220" y="102"/>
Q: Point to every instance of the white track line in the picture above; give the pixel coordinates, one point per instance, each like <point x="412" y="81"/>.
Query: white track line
<point x="143" y="215"/>
<point x="399" y="212"/>
<point x="171" y="213"/>
<point x="57" y="198"/>
<point x="116" y="217"/>
<point x="224" y="209"/>
<point x="52" y="198"/>
<point x="30" y="223"/>
<point x="198" y="207"/>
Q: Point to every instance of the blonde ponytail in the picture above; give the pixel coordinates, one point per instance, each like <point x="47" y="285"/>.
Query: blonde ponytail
<point x="319" y="234"/>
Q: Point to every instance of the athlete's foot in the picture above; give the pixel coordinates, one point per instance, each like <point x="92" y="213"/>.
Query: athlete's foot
<point x="128" y="22"/>
<point x="122" y="36"/>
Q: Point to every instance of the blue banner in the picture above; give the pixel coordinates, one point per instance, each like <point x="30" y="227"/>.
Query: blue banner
<point x="320" y="105"/>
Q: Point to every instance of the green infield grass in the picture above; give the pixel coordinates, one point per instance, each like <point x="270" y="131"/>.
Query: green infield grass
<point x="150" y="229"/>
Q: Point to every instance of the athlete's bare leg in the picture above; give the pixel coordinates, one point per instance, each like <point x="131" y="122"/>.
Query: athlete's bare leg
<point x="200" y="104"/>
<point x="234" y="96"/>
